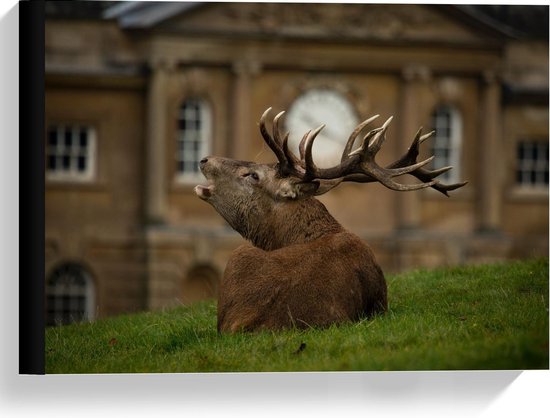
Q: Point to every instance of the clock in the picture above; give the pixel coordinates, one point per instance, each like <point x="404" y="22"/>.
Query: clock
<point x="314" y="108"/>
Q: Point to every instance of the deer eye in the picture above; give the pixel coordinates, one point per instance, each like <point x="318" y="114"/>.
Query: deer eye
<point x="253" y="175"/>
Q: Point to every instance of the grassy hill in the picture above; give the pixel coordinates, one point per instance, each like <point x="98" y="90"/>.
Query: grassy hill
<point x="477" y="317"/>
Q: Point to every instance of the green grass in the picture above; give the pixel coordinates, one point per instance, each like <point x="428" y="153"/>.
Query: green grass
<point x="474" y="318"/>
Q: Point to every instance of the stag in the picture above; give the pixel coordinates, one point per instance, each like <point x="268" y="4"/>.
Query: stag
<point x="301" y="267"/>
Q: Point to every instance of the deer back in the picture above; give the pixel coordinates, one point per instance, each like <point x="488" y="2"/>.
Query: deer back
<point x="329" y="280"/>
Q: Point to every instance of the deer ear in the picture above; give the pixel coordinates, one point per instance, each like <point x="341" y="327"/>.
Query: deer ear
<point x="307" y="188"/>
<point x="291" y="190"/>
<point x="326" y="185"/>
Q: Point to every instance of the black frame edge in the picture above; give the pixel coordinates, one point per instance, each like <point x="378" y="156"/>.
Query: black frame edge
<point x="31" y="188"/>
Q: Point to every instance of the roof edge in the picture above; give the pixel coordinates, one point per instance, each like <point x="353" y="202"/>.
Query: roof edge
<point x="484" y="21"/>
<point x="144" y="14"/>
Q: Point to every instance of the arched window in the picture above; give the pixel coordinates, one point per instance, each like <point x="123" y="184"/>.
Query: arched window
<point x="193" y="138"/>
<point x="447" y="143"/>
<point x="70" y="295"/>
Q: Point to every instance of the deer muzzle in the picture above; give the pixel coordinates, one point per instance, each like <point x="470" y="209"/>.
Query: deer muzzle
<point x="202" y="191"/>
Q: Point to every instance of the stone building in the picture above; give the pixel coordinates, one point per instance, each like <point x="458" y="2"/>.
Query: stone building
<point x="138" y="92"/>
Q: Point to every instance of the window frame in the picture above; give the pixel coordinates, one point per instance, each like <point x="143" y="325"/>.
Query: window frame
<point x="539" y="144"/>
<point x="453" y="139"/>
<point x="73" y="175"/>
<point x="204" y="139"/>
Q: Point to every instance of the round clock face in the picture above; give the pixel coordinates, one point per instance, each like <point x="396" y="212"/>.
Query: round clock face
<point x="315" y="108"/>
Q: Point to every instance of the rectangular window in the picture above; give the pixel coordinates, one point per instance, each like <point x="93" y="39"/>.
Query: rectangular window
<point x="193" y="138"/>
<point x="70" y="153"/>
<point x="447" y="143"/>
<point x="532" y="164"/>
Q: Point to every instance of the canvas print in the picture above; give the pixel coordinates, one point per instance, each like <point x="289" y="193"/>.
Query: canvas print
<point x="269" y="187"/>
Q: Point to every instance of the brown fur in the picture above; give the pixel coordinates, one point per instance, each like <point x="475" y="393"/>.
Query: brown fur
<point x="317" y="283"/>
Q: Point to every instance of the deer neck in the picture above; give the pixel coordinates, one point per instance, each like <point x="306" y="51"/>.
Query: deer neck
<point x="290" y="223"/>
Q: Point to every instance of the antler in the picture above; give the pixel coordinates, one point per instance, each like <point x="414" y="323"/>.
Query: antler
<point x="359" y="165"/>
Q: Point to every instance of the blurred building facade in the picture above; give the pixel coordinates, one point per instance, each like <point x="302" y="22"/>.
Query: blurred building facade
<point x="138" y="92"/>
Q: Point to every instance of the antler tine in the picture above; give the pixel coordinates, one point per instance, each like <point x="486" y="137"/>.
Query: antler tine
<point x="394" y="172"/>
<point x="311" y="168"/>
<point x="302" y="146"/>
<point x="393" y="185"/>
<point x="272" y="143"/>
<point x="437" y="172"/>
<point x="353" y="137"/>
<point x="365" y="142"/>
<point x="276" y="132"/>
<point x="413" y="151"/>
<point x="427" y="175"/>
<point x="295" y="163"/>
<point x="375" y="145"/>
<point x="290" y="158"/>
<point x="444" y="188"/>
<point x="426" y="136"/>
